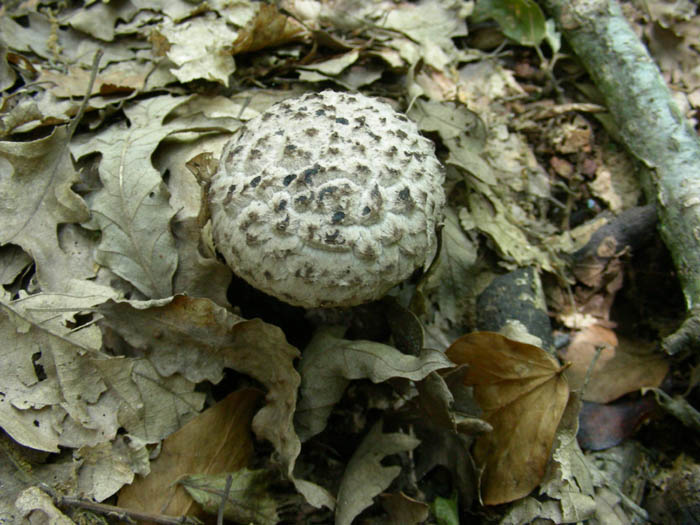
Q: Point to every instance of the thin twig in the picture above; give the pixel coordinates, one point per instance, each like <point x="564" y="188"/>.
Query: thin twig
<point x="125" y="514"/>
<point x="93" y="75"/>
<point x="224" y="498"/>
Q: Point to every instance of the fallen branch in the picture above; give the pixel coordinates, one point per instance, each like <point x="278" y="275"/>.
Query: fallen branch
<point x="653" y="130"/>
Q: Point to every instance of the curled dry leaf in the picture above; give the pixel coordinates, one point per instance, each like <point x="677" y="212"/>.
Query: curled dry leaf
<point x="329" y="363"/>
<point x="269" y="28"/>
<point x="198" y="339"/>
<point x="523" y="394"/>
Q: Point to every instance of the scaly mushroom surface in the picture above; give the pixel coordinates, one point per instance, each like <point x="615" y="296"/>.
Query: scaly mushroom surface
<point x="329" y="199"/>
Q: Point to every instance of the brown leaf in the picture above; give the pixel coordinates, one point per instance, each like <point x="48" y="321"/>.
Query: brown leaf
<point x="622" y="367"/>
<point x="269" y="28"/>
<point x="218" y="440"/>
<point x="523" y="394"/>
<point x="198" y="339"/>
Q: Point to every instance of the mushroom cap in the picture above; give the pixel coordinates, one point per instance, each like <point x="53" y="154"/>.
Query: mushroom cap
<point x="329" y="199"/>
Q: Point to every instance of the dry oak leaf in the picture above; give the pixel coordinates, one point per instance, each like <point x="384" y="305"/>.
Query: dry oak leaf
<point x="523" y="393"/>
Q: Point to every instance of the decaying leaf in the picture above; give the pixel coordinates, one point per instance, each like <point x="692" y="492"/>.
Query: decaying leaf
<point x="182" y="42"/>
<point x="198" y="339"/>
<point x="249" y="497"/>
<point x="365" y="477"/>
<point x="623" y="366"/>
<point x="35" y="197"/>
<point x="269" y="28"/>
<point x="330" y="362"/>
<point x="132" y="209"/>
<point x="39" y="505"/>
<point x="521" y="20"/>
<point x="403" y="510"/>
<point x="222" y="440"/>
<point x="523" y="394"/>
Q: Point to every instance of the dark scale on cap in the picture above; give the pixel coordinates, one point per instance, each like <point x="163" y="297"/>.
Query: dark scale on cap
<point x="307" y="272"/>
<point x="405" y="194"/>
<point x="361" y="169"/>
<point x="391" y="152"/>
<point x="343" y="121"/>
<point x="401" y="134"/>
<point x="254" y="154"/>
<point x="360" y="120"/>
<point x="334" y="238"/>
<point x="289" y="149"/>
<point x="366" y="210"/>
<point x="255" y="181"/>
<point x="393" y="172"/>
<point x="320" y="112"/>
<point x="288" y="179"/>
<point x="229" y="194"/>
<point x="328" y="190"/>
<point x="300" y="115"/>
<point x="310" y="172"/>
<point x="302" y="202"/>
<point x="267" y="275"/>
<point x="311" y="230"/>
<point x="418" y="156"/>
<point x="311" y="132"/>
<point x="402" y="118"/>
<point x="333" y="151"/>
<point x="279" y="132"/>
<point x="235" y="151"/>
<point x="338" y="217"/>
<point x="251" y="219"/>
<point x="281" y="205"/>
<point x="335" y="136"/>
<point x="282" y="225"/>
<point x="375" y="137"/>
<point x="359" y="147"/>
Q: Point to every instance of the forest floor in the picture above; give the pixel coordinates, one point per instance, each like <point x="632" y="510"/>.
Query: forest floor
<point x="517" y="379"/>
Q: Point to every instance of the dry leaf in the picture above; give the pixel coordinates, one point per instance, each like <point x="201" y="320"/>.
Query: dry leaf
<point x="36" y="180"/>
<point x="365" y="477"/>
<point x="269" y="28"/>
<point x="403" y="510"/>
<point x="523" y="394"/>
<point x="198" y="339"/>
<point x="38" y="505"/>
<point x="329" y="363"/>
<point x="132" y="209"/>
<point x="621" y="367"/>
<point x="249" y="499"/>
<point x="218" y="440"/>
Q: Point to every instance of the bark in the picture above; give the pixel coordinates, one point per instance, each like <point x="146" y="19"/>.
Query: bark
<point x="653" y="130"/>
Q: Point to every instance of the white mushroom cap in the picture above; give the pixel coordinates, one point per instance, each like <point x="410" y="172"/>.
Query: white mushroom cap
<point x="329" y="199"/>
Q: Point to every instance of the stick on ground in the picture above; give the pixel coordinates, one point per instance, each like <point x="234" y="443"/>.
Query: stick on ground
<point x="653" y="130"/>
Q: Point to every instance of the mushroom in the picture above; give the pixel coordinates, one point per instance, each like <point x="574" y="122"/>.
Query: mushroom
<point x="329" y="199"/>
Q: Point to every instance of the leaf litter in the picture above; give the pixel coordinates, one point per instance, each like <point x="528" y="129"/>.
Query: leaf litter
<point x="136" y="370"/>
